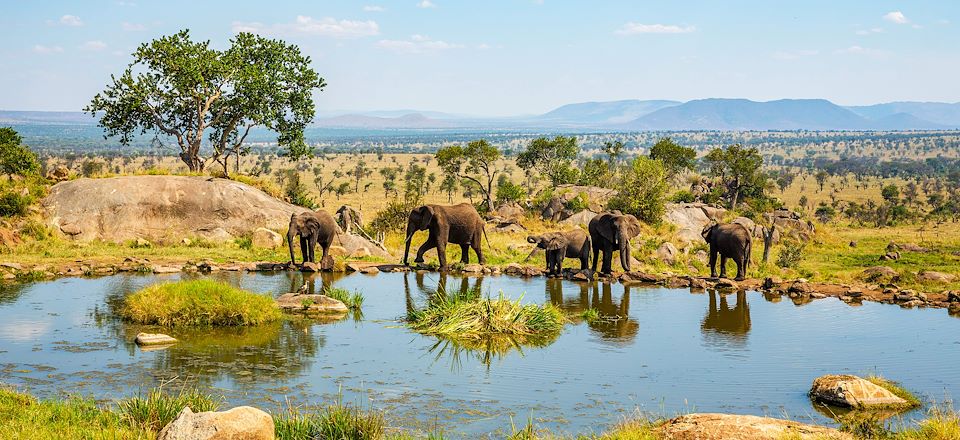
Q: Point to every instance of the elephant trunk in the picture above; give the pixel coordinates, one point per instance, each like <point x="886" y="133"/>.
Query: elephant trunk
<point x="625" y="252"/>
<point x="291" y="233"/>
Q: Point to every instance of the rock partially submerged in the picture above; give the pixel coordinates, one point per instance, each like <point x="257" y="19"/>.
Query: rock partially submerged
<point x="709" y="426"/>
<point x="154" y="339"/>
<point x="312" y="304"/>
<point x="853" y="392"/>
<point x="242" y="422"/>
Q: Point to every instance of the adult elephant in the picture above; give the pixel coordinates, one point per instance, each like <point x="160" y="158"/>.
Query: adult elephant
<point x="612" y="231"/>
<point x="313" y="227"/>
<point x="574" y="243"/>
<point x="457" y="224"/>
<point x="731" y="240"/>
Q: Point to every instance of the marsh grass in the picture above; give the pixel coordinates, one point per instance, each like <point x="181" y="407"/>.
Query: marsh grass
<point x="467" y="315"/>
<point x="198" y="302"/>
<point x="336" y="421"/>
<point x="896" y="389"/>
<point x="352" y="300"/>
<point x="157" y="409"/>
<point x="590" y="315"/>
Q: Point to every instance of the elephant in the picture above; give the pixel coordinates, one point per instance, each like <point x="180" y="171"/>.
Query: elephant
<point x="574" y="243"/>
<point x="730" y="240"/>
<point x="313" y="227"/>
<point x="348" y="217"/>
<point x="611" y="231"/>
<point x="458" y="224"/>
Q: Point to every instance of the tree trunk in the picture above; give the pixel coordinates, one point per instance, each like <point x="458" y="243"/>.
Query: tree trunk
<point x="768" y="241"/>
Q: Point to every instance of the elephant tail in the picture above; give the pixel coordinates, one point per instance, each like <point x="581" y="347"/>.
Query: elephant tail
<point x="746" y="261"/>
<point x="484" y="230"/>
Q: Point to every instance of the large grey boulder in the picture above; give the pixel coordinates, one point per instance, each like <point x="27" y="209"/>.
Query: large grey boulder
<point x="691" y="218"/>
<point x="162" y="208"/>
<point x="580" y="218"/>
<point x="355" y="245"/>
<point x="242" y="422"/>
<point x="266" y="239"/>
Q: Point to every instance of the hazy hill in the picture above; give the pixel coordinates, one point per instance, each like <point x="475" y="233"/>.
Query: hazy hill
<point x="610" y="112"/>
<point x="412" y="120"/>
<point x="941" y="113"/>
<point x="744" y="114"/>
<point x="28" y="117"/>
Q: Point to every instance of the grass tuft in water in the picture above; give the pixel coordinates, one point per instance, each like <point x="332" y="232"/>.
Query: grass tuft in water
<point x="467" y="314"/>
<point x="157" y="409"/>
<point x="896" y="389"/>
<point x="352" y="300"/>
<point x="198" y="302"/>
<point x="590" y="315"/>
<point x="337" y="421"/>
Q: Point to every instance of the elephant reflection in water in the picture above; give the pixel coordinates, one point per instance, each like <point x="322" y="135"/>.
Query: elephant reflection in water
<point x="306" y="282"/>
<point x="443" y="287"/>
<point x="614" y="323"/>
<point x="724" y="324"/>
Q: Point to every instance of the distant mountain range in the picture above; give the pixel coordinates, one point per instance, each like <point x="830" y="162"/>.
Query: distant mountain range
<point x="632" y="115"/>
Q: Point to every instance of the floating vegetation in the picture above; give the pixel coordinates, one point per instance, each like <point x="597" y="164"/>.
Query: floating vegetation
<point x="198" y="302"/>
<point x="468" y="315"/>
<point x="590" y="315"/>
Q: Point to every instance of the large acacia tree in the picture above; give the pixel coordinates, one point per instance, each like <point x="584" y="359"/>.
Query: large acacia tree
<point x="191" y="92"/>
<point x="474" y="163"/>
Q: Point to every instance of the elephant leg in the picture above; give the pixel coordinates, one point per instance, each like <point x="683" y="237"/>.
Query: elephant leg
<point x="426" y="246"/>
<point x="442" y="254"/>
<point x="313" y="248"/>
<point x="465" y="253"/>
<point x="596" y="256"/>
<point x="723" y="266"/>
<point x="478" y="248"/>
<point x="713" y="263"/>
<point x="607" y="260"/>
<point x="305" y="248"/>
<point x="741" y="269"/>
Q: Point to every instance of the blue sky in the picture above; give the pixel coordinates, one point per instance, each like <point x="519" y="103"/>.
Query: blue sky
<point x="508" y="57"/>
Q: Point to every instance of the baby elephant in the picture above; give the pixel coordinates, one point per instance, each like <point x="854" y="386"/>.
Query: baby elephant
<point x="574" y="243"/>
<point x="731" y="240"/>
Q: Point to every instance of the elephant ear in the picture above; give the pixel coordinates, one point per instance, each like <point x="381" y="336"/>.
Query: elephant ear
<point x="630" y="225"/>
<point x="707" y="230"/>
<point x="555" y="242"/>
<point x="608" y="228"/>
<point x="426" y="217"/>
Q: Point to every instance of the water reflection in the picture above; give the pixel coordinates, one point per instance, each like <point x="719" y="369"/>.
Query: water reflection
<point x="726" y="326"/>
<point x="615" y="325"/>
<point x="10" y="292"/>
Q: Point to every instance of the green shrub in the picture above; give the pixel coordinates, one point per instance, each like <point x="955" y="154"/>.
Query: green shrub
<point x="468" y="315"/>
<point x="683" y="196"/>
<point x="35" y="229"/>
<point x="579" y="203"/>
<point x="642" y="191"/>
<point x="244" y="242"/>
<point x="508" y="191"/>
<point x="24" y="417"/>
<point x="790" y="254"/>
<point x="198" y="302"/>
<point x="352" y="300"/>
<point x="392" y="218"/>
<point x="13" y="204"/>
<point x="157" y="409"/>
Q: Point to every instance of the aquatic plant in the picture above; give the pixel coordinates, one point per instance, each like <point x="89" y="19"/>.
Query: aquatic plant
<point x="466" y="315"/>
<point x="352" y="300"/>
<point x="157" y="408"/>
<point x="336" y="421"/>
<point x="896" y="389"/>
<point x="590" y="315"/>
<point x="198" y="302"/>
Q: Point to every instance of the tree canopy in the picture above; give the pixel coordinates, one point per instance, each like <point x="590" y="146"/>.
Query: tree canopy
<point x="739" y="168"/>
<point x="675" y="157"/>
<point x="475" y="163"/>
<point x="552" y="158"/>
<point x="643" y="190"/>
<point x="16" y="158"/>
<point x="187" y="90"/>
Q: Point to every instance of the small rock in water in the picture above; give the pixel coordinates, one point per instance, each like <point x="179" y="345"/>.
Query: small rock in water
<point x="853" y="392"/>
<point x="148" y="339"/>
<point x="309" y="267"/>
<point x="472" y="268"/>
<point x="370" y="270"/>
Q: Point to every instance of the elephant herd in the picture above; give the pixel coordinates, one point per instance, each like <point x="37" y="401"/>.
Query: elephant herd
<point x="462" y="225"/>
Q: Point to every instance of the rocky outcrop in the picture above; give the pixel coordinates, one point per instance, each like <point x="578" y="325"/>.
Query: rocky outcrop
<point x="667" y="253"/>
<point x="58" y="173"/>
<point x="354" y="245"/>
<point x="266" y="239"/>
<point x="580" y="218"/>
<point x="789" y="224"/>
<point x="878" y="273"/>
<point x="936" y="277"/>
<point x="709" y="426"/>
<point x="242" y="422"/>
<point x="510" y="211"/>
<point x="691" y="218"/>
<point x="853" y="392"/>
<point x="314" y="304"/>
<point x="162" y="208"/>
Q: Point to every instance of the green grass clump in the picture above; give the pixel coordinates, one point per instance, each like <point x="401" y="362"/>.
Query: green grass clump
<point x="157" y="409"/>
<point x="198" y="302"/>
<point x="896" y="389"/>
<point x="336" y="421"/>
<point x="24" y="417"/>
<point x="590" y="315"/>
<point x="352" y="300"/>
<point x="942" y="424"/>
<point x="468" y="315"/>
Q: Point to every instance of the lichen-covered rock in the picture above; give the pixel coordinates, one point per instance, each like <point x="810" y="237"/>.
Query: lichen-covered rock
<point x="854" y="392"/>
<point x="242" y="422"/>
<point x="708" y="426"/>
<point x="879" y="273"/>
<point x="936" y="277"/>
<point x="295" y="302"/>
<point x="266" y="239"/>
<point x="690" y="218"/>
<point x="146" y="339"/>
<point x="667" y="253"/>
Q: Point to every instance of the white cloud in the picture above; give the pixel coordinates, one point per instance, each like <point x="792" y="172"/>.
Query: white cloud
<point x="426" y="4"/>
<point x="484" y="46"/>
<point x="67" y="20"/>
<point x="793" y="55"/>
<point x="374" y="8"/>
<point x="863" y="51"/>
<point x="305" y="25"/>
<point x="39" y="48"/>
<point x="93" y="45"/>
<point x="870" y="31"/>
<point x="632" y="28"/>
<point x="417" y="44"/>
<point x="132" y="27"/>
<point x="896" y="17"/>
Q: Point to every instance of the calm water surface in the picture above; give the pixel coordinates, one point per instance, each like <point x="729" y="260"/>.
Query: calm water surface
<point x="669" y="351"/>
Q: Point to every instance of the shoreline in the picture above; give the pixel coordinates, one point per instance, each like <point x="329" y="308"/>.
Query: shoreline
<point x="798" y="290"/>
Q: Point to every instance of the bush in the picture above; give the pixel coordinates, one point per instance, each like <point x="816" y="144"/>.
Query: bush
<point x="579" y="203"/>
<point x="790" y="255"/>
<point x="391" y="218"/>
<point x="296" y="191"/>
<point x="508" y="191"/>
<point x="35" y="229"/>
<point x="683" y="196"/>
<point x="198" y="302"/>
<point x="642" y="191"/>
<point x="13" y="204"/>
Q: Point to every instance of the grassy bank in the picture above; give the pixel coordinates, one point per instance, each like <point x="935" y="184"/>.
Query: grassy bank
<point x="198" y="302"/>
